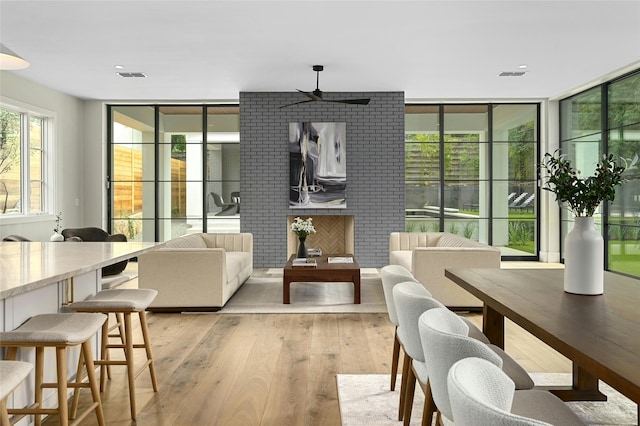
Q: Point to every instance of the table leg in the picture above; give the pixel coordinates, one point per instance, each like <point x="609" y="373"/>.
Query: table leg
<point x="583" y="388"/>
<point x="286" y="291"/>
<point x="493" y="326"/>
<point x="356" y="288"/>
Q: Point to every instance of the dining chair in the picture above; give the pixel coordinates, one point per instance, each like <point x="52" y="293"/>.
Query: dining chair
<point x="482" y="394"/>
<point x="411" y="301"/>
<point x="445" y="340"/>
<point x="392" y="275"/>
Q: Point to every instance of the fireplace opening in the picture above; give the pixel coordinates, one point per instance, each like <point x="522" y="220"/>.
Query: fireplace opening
<point x="334" y="234"/>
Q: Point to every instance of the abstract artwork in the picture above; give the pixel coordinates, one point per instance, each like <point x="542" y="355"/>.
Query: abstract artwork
<point x="317" y="165"/>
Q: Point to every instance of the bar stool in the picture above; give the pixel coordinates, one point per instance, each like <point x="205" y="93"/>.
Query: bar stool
<point x="122" y="303"/>
<point x="59" y="331"/>
<point x="12" y="373"/>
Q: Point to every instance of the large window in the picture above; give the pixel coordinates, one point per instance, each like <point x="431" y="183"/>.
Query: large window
<point x="175" y="169"/>
<point x="470" y="170"/>
<point x="606" y="119"/>
<point x="23" y="137"/>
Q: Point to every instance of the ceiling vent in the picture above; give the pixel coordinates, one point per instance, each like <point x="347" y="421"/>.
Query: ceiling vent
<point x="512" y="73"/>
<point x="132" y="74"/>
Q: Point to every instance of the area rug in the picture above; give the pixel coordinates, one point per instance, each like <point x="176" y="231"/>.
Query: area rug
<point x="264" y="295"/>
<point x="365" y="399"/>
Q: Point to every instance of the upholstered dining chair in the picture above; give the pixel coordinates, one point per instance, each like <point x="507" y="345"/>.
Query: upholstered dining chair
<point x="482" y="394"/>
<point x="445" y="340"/>
<point x="16" y="238"/>
<point x="411" y="301"/>
<point x="392" y="275"/>
<point x="97" y="235"/>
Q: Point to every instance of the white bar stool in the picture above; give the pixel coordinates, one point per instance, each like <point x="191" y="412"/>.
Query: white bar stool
<point x="12" y="373"/>
<point x="122" y="303"/>
<point x="59" y="331"/>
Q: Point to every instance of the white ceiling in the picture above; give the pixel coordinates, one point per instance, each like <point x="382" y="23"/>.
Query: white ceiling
<point x="212" y="50"/>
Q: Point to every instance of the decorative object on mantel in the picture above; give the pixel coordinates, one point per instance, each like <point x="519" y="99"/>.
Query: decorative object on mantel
<point x="56" y="236"/>
<point x="302" y="228"/>
<point x="584" y="245"/>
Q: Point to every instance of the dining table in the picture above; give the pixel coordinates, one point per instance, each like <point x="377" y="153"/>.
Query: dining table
<point x="599" y="334"/>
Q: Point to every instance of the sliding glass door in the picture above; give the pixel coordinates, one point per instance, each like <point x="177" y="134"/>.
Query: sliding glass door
<point x="165" y="162"/>
<point x="471" y="170"/>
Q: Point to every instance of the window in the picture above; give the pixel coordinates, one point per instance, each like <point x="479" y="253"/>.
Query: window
<point x="471" y="170"/>
<point x="23" y="140"/>
<point x="166" y="163"/>
<point x="606" y="119"/>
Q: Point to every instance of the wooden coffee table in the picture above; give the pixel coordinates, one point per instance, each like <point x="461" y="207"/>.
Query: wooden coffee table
<point x="323" y="272"/>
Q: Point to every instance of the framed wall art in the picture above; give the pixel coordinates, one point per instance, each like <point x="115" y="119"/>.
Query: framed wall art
<point x="317" y="165"/>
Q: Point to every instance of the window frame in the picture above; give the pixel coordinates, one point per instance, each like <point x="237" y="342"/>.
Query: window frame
<point x="47" y="176"/>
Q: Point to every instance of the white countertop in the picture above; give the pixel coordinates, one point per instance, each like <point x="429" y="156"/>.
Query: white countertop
<point x="26" y="266"/>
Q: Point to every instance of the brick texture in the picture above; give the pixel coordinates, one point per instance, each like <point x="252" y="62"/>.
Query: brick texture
<point x="375" y="170"/>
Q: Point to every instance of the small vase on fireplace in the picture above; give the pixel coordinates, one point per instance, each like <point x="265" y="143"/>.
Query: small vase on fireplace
<point x="302" y="248"/>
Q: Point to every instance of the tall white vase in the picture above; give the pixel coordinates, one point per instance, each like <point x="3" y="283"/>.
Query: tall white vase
<point x="584" y="258"/>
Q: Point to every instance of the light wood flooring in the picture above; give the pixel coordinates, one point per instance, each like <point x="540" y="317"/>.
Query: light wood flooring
<point x="267" y="369"/>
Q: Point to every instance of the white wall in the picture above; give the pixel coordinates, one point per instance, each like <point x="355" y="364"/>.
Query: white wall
<point x="69" y="177"/>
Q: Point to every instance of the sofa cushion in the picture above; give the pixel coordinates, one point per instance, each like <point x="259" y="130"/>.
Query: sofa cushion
<point x="450" y="240"/>
<point x="236" y="261"/>
<point x="402" y="258"/>
<point x="187" y="241"/>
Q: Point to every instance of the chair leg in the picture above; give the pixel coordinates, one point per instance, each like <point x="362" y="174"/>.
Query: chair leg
<point x="38" y="382"/>
<point x="76" y="390"/>
<point x="131" y="374"/>
<point x="403" y="384"/>
<point x="104" y="355"/>
<point x="147" y="347"/>
<point x="4" y="415"/>
<point x="409" y="394"/>
<point x="395" y="359"/>
<point x="61" y="368"/>
<point x="429" y="406"/>
<point x="93" y="381"/>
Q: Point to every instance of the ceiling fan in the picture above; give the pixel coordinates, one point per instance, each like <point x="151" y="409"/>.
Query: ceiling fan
<point x="316" y="95"/>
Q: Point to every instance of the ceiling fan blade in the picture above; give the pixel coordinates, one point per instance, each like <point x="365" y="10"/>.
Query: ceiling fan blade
<point x="296" y="103"/>
<point x="352" y="101"/>
<point x="310" y="95"/>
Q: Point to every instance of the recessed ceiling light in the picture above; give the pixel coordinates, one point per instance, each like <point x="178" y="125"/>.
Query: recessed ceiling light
<point x="523" y="66"/>
<point x="119" y="67"/>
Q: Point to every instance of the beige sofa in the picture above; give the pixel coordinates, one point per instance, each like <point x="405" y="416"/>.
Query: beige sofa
<point x="197" y="272"/>
<point x="428" y="254"/>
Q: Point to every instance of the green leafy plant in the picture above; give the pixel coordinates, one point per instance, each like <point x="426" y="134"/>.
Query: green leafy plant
<point x="468" y="229"/>
<point x="582" y="195"/>
<point x="520" y="233"/>
<point x="453" y="228"/>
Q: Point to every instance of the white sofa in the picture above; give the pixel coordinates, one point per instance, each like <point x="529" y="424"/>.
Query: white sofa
<point x="428" y="254"/>
<point x="197" y="272"/>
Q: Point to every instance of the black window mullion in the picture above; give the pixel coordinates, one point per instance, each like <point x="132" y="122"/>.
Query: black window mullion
<point x="441" y="159"/>
<point x="604" y="120"/>
<point x="490" y="176"/>
<point x="156" y="173"/>
<point x="109" y="195"/>
<point x="204" y="168"/>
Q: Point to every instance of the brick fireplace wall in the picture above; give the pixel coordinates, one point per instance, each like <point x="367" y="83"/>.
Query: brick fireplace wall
<point x="375" y="170"/>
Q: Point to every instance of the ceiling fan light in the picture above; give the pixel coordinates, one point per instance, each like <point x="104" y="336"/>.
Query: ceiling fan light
<point x="9" y="60"/>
